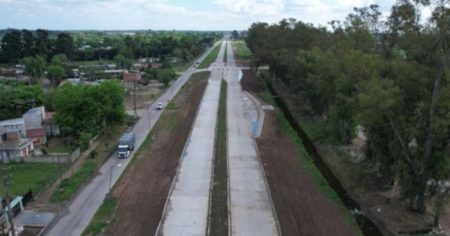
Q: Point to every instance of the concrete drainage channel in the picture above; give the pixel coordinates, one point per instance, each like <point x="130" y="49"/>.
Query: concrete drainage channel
<point x="366" y="225"/>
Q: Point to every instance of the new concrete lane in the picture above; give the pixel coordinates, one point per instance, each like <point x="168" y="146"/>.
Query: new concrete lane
<point x="80" y="211"/>
<point x="250" y="206"/>
<point x="187" y="208"/>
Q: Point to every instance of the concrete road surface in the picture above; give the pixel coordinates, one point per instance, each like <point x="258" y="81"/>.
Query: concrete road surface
<point x="80" y="211"/>
<point x="251" y="207"/>
<point x="187" y="208"/>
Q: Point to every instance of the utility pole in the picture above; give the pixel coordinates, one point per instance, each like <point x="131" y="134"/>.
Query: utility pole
<point x="8" y="207"/>
<point x="134" y="97"/>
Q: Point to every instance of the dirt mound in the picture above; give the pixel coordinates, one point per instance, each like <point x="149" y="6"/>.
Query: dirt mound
<point x="144" y="188"/>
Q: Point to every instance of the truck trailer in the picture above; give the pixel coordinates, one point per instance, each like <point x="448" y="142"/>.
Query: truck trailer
<point x="125" y="145"/>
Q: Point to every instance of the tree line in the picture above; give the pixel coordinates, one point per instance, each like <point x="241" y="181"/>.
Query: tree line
<point x="391" y="77"/>
<point x="17" y="44"/>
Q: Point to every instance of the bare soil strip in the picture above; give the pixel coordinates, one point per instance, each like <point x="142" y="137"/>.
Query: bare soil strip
<point x="144" y="187"/>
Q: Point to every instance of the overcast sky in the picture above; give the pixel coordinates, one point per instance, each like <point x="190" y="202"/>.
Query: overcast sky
<point x="171" y="14"/>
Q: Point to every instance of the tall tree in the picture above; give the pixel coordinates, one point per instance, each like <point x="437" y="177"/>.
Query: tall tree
<point x="42" y="42"/>
<point x="64" y="44"/>
<point x="11" y="46"/>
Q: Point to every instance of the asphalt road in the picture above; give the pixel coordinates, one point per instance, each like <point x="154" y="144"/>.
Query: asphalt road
<point x="81" y="210"/>
<point x="250" y="205"/>
<point x="186" y="210"/>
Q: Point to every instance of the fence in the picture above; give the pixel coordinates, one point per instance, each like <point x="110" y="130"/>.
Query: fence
<point x="57" y="158"/>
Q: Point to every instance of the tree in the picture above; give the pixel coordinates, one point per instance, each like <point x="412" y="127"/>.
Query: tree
<point x="55" y="74"/>
<point x="122" y="61"/>
<point x="34" y="66"/>
<point x="89" y="109"/>
<point x="42" y="42"/>
<point x="59" y="59"/>
<point x="64" y="44"/>
<point x="28" y="41"/>
<point x="235" y="34"/>
<point x="17" y="99"/>
<point x="11" y="46"/>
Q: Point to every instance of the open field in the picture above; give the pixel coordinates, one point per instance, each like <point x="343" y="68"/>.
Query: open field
<point x="26" y="176"/>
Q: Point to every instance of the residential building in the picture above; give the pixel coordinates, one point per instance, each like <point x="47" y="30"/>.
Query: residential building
<point x="38" y="135"/>
<point x="34" y="118"/>
<point x="13" y="125"/>
<point x="13" y="147"/>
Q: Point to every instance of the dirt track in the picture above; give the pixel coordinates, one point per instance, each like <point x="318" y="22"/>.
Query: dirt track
<point x="301" y="207"/>
<point x="143" y="190"/>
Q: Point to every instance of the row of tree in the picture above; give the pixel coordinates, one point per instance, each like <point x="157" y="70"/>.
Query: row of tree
<point x="389" y="76"/>
<point x="17" y="44"/>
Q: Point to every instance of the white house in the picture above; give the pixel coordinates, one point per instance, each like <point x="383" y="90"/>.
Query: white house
<point x="8" y="126"/>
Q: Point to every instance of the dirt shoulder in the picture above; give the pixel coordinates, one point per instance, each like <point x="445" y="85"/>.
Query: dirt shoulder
<point x="144" y="187"/>
<point x="386" y="208"/>
<point x="302" y="208"/>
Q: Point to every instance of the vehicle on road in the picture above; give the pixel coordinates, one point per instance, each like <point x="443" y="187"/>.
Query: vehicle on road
<point x="160" y="106"/>
<point x="126" y="144"/>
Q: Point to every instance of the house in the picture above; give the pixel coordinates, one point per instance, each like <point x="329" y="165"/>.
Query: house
<point x="131" y="78"/>
<point x="34" y="117"/>
<point x="38" y="135"/>
<point x="113" y="72"/>
<point x="111" y="66"/>
<point x="39" y="124"/>
<point x="13" y="125"/>
<point x="13" y="147"/>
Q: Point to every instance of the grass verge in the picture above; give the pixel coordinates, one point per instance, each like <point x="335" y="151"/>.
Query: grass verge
<point x="103" y="216"/>
<point x="242" y="51"/>
<point x="225" y="55"/>
<point x="30" y="176"/>
<point x="210" y="58"/>
<point x="68" y="187"/>
<point x="218" y="224"/>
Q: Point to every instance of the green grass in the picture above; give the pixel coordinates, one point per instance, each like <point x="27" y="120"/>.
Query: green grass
<point x="219" y="198"/>
<point x="242" y="51"/>
<point x="26" y="176"/>
<point x="171" y="106"/>
<point x="306" y="161"/>
<point x="68" y="187"/>
<point x="180" y="67"/>
<point x="210" y="58"/>
<point x="57" y="145"/>
<point x="225" y="56"/>
<point x="103" y="216"/>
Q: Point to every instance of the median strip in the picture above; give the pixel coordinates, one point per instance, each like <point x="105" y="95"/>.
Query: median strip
<point x="218" y="216"/>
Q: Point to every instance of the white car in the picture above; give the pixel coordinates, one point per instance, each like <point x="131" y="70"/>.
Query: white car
<point x="160" y="106"/>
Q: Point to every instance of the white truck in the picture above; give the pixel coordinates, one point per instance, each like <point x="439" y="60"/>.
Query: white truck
<point x="125" y="145"/>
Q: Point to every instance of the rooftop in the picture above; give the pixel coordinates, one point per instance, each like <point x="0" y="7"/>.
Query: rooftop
<point x="35" y="133"/>
<point x="16" y="121"/>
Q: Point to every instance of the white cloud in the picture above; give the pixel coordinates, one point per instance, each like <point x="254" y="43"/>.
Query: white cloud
<point x="253" y="7"/>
